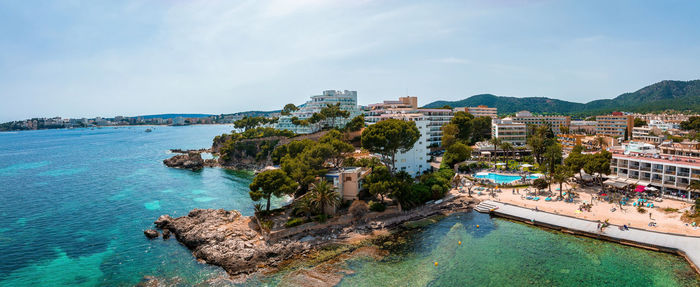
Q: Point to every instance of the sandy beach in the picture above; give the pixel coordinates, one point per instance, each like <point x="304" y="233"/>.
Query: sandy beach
<point x="669" y="222"/>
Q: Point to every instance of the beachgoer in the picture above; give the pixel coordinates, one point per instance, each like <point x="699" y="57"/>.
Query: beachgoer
<point x="649" y="215"/>
<point x="599" y="225"/>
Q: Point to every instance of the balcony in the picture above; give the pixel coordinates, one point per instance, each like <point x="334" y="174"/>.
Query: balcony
<point x="671" y="172"/>
<point x="645" y="168"/>
<point x="656" y="180"/>
<point x="684" y="174"/>
<point x="671" y="182"/>
<point x="684" y="184"/>
<point x="658" y="170"/>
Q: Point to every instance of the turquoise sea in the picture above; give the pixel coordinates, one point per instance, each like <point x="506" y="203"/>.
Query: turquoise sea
<point x="75" y="202"/>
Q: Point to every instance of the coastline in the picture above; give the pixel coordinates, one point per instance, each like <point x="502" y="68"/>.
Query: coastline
<point x="685" y="246"/>
<point x="235" y="243"/>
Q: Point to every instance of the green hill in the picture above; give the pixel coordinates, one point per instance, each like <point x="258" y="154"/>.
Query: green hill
<point x="665" y="95"/>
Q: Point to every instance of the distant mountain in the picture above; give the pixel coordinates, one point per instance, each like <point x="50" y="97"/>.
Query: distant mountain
<point x="665" y="95"/>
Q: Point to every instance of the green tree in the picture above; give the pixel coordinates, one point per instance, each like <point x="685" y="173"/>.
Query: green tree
<point x="288" y="109"/>
<point x="692" y="124"/>
<point x="379" y="182"/>
<point x="507" y="148"/>
<point x="496" y="143"/>
<point x="561" y="175"/>
<point x="552" y="159"/>
<point x="271" y="182"/>
<point x="356" y="124"/>
<point x="333" y="112"/>
<point x="576" y="160"/>
<point x="389" y="137"/>
<point x="449" y="134"/>
<point x="540" y="183"/>
<point x="324" y="195"/>
<point x="464" y="124"/>
<point x="481" y="129"/>
<point x="341" y="148"/>
<point x="639" y="122"/>
<point x="457" y="152"/>
<point x="599" y="164"/>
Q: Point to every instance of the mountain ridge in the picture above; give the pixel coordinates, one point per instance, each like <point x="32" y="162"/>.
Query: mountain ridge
<point x="660" y="96"/>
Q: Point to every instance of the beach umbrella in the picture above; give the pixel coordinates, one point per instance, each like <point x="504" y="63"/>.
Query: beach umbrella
<point x="526" y="165"/>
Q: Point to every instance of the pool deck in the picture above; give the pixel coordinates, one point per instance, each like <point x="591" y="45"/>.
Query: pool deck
<point x="686" y="246"/>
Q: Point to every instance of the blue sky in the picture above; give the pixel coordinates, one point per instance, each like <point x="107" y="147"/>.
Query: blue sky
<point x="105" y="58"/>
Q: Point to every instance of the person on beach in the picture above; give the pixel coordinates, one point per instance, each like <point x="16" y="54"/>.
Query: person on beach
<point x="649" y="215"/>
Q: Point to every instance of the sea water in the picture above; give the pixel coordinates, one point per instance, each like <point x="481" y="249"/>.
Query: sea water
<point x="75" y="204"/>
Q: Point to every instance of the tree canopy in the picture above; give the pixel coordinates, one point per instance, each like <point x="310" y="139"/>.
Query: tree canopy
<point x="271" y="182"/>
<point x="388" y="137"/>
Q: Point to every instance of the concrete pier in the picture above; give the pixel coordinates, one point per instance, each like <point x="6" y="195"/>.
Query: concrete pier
<point x="686" y="246"/>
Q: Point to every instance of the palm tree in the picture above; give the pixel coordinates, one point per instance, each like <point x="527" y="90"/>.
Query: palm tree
<point x="694" y="186"/>
<point x="324" y="195"/>
<point x="304" y="204"/>
<point x="507" y="148"/>
<point x="495" y="142"/>
<point x="561" y="176"/>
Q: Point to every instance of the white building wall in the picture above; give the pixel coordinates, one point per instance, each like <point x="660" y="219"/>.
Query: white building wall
<point x="415" y="161"/>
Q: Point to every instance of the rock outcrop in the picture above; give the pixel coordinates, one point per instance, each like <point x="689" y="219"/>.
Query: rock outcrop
<point x="151" y="233"/>
<point x="227" y="239"/>
<point x="191" y="160"/>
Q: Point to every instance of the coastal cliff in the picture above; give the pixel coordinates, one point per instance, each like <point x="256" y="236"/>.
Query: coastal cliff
<point x="235" y="242"/>
<point x="227" y="239"/>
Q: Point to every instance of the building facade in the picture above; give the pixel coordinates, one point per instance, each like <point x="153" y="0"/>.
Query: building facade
<point x="416" y="160"/>
<point x="509" y="131"/>
<point x="435" y="118"/>
<point x="479" y="111"/>
<point x="555" y="122"/>
<point x="671" y="175"/>
<point x="616" y="125"/>
<point x="346" y="99"/>
<point x="650" y="134"/>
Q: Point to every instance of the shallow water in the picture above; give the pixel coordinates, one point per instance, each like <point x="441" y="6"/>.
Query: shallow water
<point x="505" y="253"/>
<point x="75" y="203"/>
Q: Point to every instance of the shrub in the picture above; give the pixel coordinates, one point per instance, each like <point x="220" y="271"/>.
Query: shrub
<point x="641" y="210"/>
<point x="321" y="218"/>
<point x="377" y="206"/>
<point x="294" y="222"/>
<point x="358" y="209"/>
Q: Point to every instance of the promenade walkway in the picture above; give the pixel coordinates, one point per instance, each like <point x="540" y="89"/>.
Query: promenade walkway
<point x="687" y="246"/>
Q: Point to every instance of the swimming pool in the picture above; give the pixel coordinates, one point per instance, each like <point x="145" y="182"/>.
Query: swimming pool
<point x="500" y="178"/>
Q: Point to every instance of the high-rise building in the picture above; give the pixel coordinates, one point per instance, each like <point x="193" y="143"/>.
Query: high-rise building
<point x="479" y="111"/>
<point x="509" y="131"/>
<point x="435" y="118"/>
<point x="616" y="125"/>
<point x="555" y="122"/>
<point x="346" y="99"/>
<point x="416" y="160"/>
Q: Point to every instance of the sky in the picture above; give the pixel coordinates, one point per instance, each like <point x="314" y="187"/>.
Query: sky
<point x="73" y="58"/>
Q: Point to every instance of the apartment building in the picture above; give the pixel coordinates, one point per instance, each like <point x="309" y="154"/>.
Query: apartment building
<point x="669" y="174"/>
<point x="416" y="160"/>
<point x="348" y="181"/>
<point x="569" y="141"/>
<point x="509" y="131"/>
<point x="555" y="122"/>
<point x="616" y="125"/>
<point x="346" y="99"/>
<point x="650" y="134"/>
<point x="582" y="127"/>
<point x="479" y="111"/>
<point x="435" y="118"/>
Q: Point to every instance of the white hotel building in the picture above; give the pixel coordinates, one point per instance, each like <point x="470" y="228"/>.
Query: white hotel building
<point x="416" y="160"/>
<point x="671" y="174"/>
<point x="347" y="100"/>
<point x="436" y="118"/>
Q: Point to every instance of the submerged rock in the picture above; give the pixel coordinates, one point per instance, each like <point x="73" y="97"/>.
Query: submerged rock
<point x="151" y="233"/>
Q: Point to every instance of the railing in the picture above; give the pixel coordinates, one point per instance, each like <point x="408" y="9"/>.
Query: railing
<point x="671" y="182"/>
<point x="685" y="174"/>
<point x="658" y="170"/>
<point x="671" y="172"/>
<point x="656" y="180"/>
<point x="645" y="168"/>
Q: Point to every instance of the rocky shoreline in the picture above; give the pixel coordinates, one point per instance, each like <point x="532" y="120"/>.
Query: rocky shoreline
<point x="236" y="243"/>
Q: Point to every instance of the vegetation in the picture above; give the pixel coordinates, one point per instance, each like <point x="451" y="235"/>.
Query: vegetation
<point x="377" y="206"/>
<point x="294" y="222"/>
<point x="271" y="182"/>
<point x="324" y="196"/>
<point x="539" y="138"/>
<point x="661" y="96"/>
<point x="356" y="124"/>
<point x="457" y="152"/>
<point x="464" y="128"/>
<point x="692" y="124"/>
<point x="247" y="122"/>
<point x="358" y="209"/>
<point x="540" y="183"/>
<point x="389" y="137"/>
<point x="288" y="109"/>
<point x="639" y="122"/>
